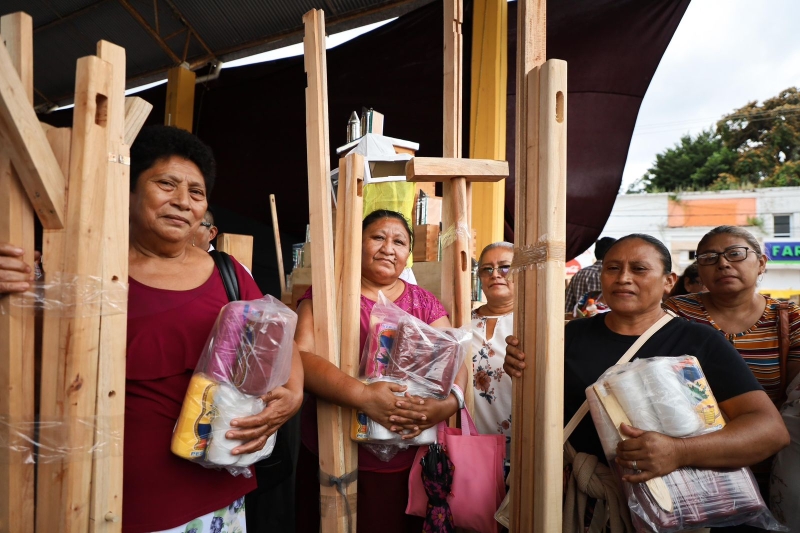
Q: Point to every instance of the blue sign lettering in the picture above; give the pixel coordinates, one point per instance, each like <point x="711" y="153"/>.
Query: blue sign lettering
<point x="783" y="251"/>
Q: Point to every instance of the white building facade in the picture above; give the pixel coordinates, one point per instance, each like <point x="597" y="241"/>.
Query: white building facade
<point x="680" y="220"/>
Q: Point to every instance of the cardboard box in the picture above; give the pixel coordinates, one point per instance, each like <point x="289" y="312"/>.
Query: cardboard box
<point x="426" y="243"/>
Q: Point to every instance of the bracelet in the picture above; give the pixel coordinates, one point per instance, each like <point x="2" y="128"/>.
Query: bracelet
<point x="459" y="394"/>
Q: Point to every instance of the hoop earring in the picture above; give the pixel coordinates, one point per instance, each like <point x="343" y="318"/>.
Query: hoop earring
<point x="192" y="242"/>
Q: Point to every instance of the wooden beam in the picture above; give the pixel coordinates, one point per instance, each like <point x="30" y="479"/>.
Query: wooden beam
<point x="531" y="42"/>
<point x="239" y="246"/>
<point x="179" y="111"/>
<point x="330" y="424"/>
<point x="443" y="169"/>
<point x="136" y="112"/>
<point x="153" y="33"/>
<point x="488" y="111"/>
<point x="33" y="159"/>
<point x="348" y="291"/>
<point x="106" y="495"/>
<point x="17" y="327"/>
<point x="67" y="505"/>
<point x="278" y="250"/>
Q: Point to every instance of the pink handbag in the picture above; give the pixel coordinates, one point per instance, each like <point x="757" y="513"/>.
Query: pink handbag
<point x="478" y="484"/>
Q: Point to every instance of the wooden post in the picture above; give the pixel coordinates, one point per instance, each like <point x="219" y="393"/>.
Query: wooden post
<point x="16" y="327"/>
<point x="278" y="250"/>
<point x="33" y="160"/>
<point x="239" y="246"/>
<point x="348" y="292"/>
<point x="537" y="452"/>
<point x="106" y="497"/>
<point x="67" y="504"/>
<point x="136" y="112"/>
<point x="333" y="508"/>
<point x="487" y="123"/>
<point x="179" y="111"/>
<point x="455" y="281"/>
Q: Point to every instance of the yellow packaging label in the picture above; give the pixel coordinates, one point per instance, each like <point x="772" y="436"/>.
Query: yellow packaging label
<point x="193" y="428"/>
<point x="359" y="429"/>
<point x="700" y="393"/>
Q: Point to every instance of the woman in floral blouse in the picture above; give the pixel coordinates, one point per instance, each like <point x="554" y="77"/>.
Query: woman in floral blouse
<point x="491" y="324"/>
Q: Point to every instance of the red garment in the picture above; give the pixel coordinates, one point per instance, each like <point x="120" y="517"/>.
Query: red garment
<point x="167" y="332"/>
<point x="419" y="303"/>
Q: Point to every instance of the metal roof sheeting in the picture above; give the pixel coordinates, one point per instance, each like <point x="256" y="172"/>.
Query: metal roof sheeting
<point x="65" y="30"/>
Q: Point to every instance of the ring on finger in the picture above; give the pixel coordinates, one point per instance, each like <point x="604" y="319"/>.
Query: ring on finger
<point x="634" y="466"/>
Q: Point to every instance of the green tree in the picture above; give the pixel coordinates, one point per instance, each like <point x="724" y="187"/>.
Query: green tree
<point x="756" y="146"/>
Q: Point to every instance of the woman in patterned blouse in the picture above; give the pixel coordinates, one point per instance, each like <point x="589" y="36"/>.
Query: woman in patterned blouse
<point x="731" y="264"/>
<point x="491" y="324"/>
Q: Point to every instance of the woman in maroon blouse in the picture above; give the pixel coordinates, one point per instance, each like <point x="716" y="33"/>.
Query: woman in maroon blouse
<point x="382" y="486"/>
<point x="174" y="298"/>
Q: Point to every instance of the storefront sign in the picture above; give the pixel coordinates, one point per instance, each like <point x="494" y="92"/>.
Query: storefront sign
<point x="783" y="251"/>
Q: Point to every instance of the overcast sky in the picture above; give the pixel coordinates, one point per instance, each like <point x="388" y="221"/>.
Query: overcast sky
<point x="724" y="54"/>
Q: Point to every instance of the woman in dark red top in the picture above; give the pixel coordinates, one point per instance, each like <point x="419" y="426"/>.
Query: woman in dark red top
<point x="175" y="296"/>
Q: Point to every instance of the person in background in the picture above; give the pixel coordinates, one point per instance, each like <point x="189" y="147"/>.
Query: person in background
<point x="689" y="282"/>
<point x="587" y="279"/>
<point x="731" y="264"/>
<point x="491" y="324"/>
<point x="205" y="233"/>
<point x="636" y="271"/>
<point x="382" y="486"/>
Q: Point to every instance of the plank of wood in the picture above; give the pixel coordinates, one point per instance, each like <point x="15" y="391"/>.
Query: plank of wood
<point x="531" y="33"/>
<point x="80" y="331"/>
<point x="657" y="486"/>
<point x="106" y="495"/>
<point x="51" y="390"/>
<point x="426" y="243"/>
<point x="278" y="250"/>
<point x="348" y="289"/>
<point x="136" y="112"/>
<point x="239" y="246"/>
<point x="17" y="328"/>
<point x="330" y="422"/>
<point x="179" y="110"/>
<point x="33" y="159"/>
<point x="444" y="169"/>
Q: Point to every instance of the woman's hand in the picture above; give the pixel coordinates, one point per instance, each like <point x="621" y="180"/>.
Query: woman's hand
<point x="15" y="275"/>
<point x="432" y="412"/>
<point x="379" y="401"/>
<point x="282" y="404"/>
<point x="655" y="454"/>
<point x="514" y="362"/>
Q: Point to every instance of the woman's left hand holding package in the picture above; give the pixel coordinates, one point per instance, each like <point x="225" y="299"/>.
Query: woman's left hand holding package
<point x="432" y="411"/>
<point x="650" y="453"/>
<point x="281" y="404"/>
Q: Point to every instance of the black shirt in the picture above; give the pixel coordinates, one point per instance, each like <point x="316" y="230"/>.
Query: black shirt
<point x="590" y="348"/>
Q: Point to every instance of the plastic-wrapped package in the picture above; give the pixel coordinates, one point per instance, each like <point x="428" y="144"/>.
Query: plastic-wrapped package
<point x="671" y="395"/>
<point x="248" y="354"/>
<point x="405" y="350"/>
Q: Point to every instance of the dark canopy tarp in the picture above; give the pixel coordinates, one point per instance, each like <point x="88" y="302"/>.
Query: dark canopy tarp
<point x="254" y="117"/>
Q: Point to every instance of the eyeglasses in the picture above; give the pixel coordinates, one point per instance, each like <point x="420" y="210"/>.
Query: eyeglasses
<point x="732" y="255"/>
<point x="486" y="272"/>
<point x="206" y="224"/>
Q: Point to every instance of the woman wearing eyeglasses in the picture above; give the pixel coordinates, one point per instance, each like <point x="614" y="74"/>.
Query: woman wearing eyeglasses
<point x="730" y="265"/>
<point x="491" y="324"/>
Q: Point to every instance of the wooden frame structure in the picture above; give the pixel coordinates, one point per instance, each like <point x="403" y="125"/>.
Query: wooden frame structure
<point x="537" y="411"/>
<point x="85" y="249"/>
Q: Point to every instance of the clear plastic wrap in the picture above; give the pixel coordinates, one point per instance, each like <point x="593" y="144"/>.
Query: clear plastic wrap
<point x="248" y="354"/>
<point x="70" y="296"/>
<point x="671" y="395"/>
<point x="403" y="349"/>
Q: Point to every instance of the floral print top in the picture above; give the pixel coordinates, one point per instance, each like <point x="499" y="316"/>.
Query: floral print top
<point x="492" y="385"/>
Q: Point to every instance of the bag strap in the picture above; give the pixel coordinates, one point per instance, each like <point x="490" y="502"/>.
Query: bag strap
<point x="783" y="344"/>
<point x="627" y="356"/>
<point x="228" y="273"/>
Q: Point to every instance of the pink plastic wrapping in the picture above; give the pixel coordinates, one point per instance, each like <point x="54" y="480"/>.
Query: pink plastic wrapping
<point x="671" y="395"/>
<point x="403" y="349"/>
<point x="248" y="354"/>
